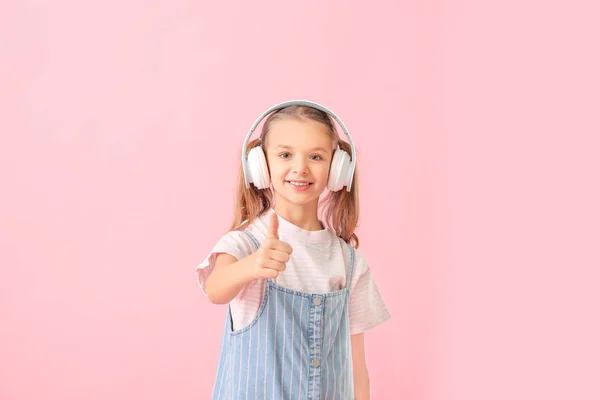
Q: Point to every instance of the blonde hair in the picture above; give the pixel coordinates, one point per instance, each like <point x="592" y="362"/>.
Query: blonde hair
<point x="339" y="209"/>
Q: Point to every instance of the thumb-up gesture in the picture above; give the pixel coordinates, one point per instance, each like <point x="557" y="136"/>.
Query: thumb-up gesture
<point x="271" y="256"/>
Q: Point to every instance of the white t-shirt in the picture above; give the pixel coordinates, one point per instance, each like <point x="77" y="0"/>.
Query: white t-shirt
<point x="318" y="264"/>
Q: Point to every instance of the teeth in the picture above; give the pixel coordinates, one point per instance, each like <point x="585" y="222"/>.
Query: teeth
<point x="299" y="184"/>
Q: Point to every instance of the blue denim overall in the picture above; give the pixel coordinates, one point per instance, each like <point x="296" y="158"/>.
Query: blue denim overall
<point x="296" y="348"/>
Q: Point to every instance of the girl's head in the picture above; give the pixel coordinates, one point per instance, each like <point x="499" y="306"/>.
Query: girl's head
<point x="299" y="143"/>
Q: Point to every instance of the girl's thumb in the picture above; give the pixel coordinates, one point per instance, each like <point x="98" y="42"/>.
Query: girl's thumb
<point x="273" y="226"/>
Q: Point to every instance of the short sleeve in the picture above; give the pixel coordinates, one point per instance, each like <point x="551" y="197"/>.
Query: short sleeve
<point x="367" y="308"/>
<point x="234" y="243"/>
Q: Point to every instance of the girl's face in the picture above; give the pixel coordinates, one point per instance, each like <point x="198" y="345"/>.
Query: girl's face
<point x="299" y="154"/>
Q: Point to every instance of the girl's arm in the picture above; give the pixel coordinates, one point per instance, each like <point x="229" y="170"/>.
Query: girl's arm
<point x="228" y="277"/>
<point x="359" y="364"/>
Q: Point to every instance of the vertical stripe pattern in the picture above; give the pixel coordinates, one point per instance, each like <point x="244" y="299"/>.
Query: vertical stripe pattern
<point x="297" y="347"/>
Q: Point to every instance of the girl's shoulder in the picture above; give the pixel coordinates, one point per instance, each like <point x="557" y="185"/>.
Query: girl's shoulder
<point x="340" y="248"/>
<point x="361" y="264"/>
<point x="256" y="230"/>
<point x="235" y="238"/>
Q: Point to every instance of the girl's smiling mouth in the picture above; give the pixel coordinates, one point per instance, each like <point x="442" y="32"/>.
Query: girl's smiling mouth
<point x="299" y="186"/>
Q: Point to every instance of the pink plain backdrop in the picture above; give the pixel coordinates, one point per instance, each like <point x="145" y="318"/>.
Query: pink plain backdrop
<point x="477" y="129"/>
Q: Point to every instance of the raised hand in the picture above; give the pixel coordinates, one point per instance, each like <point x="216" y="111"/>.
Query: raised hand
<point x="273" y="253"/>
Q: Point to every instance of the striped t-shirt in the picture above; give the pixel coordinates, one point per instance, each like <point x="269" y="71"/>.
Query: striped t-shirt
<point x="318" y="264"/>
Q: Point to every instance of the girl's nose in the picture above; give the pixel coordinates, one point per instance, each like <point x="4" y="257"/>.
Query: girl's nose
<point x="301" y="168"/>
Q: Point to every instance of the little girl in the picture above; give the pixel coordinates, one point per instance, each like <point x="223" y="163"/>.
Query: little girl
<point x="300" y="296"/>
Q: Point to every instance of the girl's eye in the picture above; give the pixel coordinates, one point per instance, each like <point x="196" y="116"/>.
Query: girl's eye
<point x="314" y="157"/>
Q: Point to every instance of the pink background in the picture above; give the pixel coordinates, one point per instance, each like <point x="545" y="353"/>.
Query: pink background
<point x="477" y="129"/>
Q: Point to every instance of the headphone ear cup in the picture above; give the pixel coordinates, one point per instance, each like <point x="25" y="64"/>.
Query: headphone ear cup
<point x="257" y="166"/>
<point x="338" y="172"/>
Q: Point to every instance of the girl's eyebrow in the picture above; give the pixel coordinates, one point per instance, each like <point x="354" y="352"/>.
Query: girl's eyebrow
<point x="283" y="146"/>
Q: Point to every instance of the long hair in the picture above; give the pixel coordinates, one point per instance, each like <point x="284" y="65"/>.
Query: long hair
<point x="340" y="210"/>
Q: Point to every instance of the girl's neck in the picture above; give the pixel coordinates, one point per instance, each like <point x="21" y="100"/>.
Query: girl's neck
<point x="304" y="216"/>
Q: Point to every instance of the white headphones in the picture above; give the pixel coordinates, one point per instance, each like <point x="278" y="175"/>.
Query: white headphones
<point x="255" y="168"/>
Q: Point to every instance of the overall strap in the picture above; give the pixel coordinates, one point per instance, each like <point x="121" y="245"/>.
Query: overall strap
<point x="350" y="266"/>
<point x="251" y="236"/>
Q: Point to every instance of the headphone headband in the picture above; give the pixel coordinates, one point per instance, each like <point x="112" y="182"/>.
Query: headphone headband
<point x="289" y="103"/>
